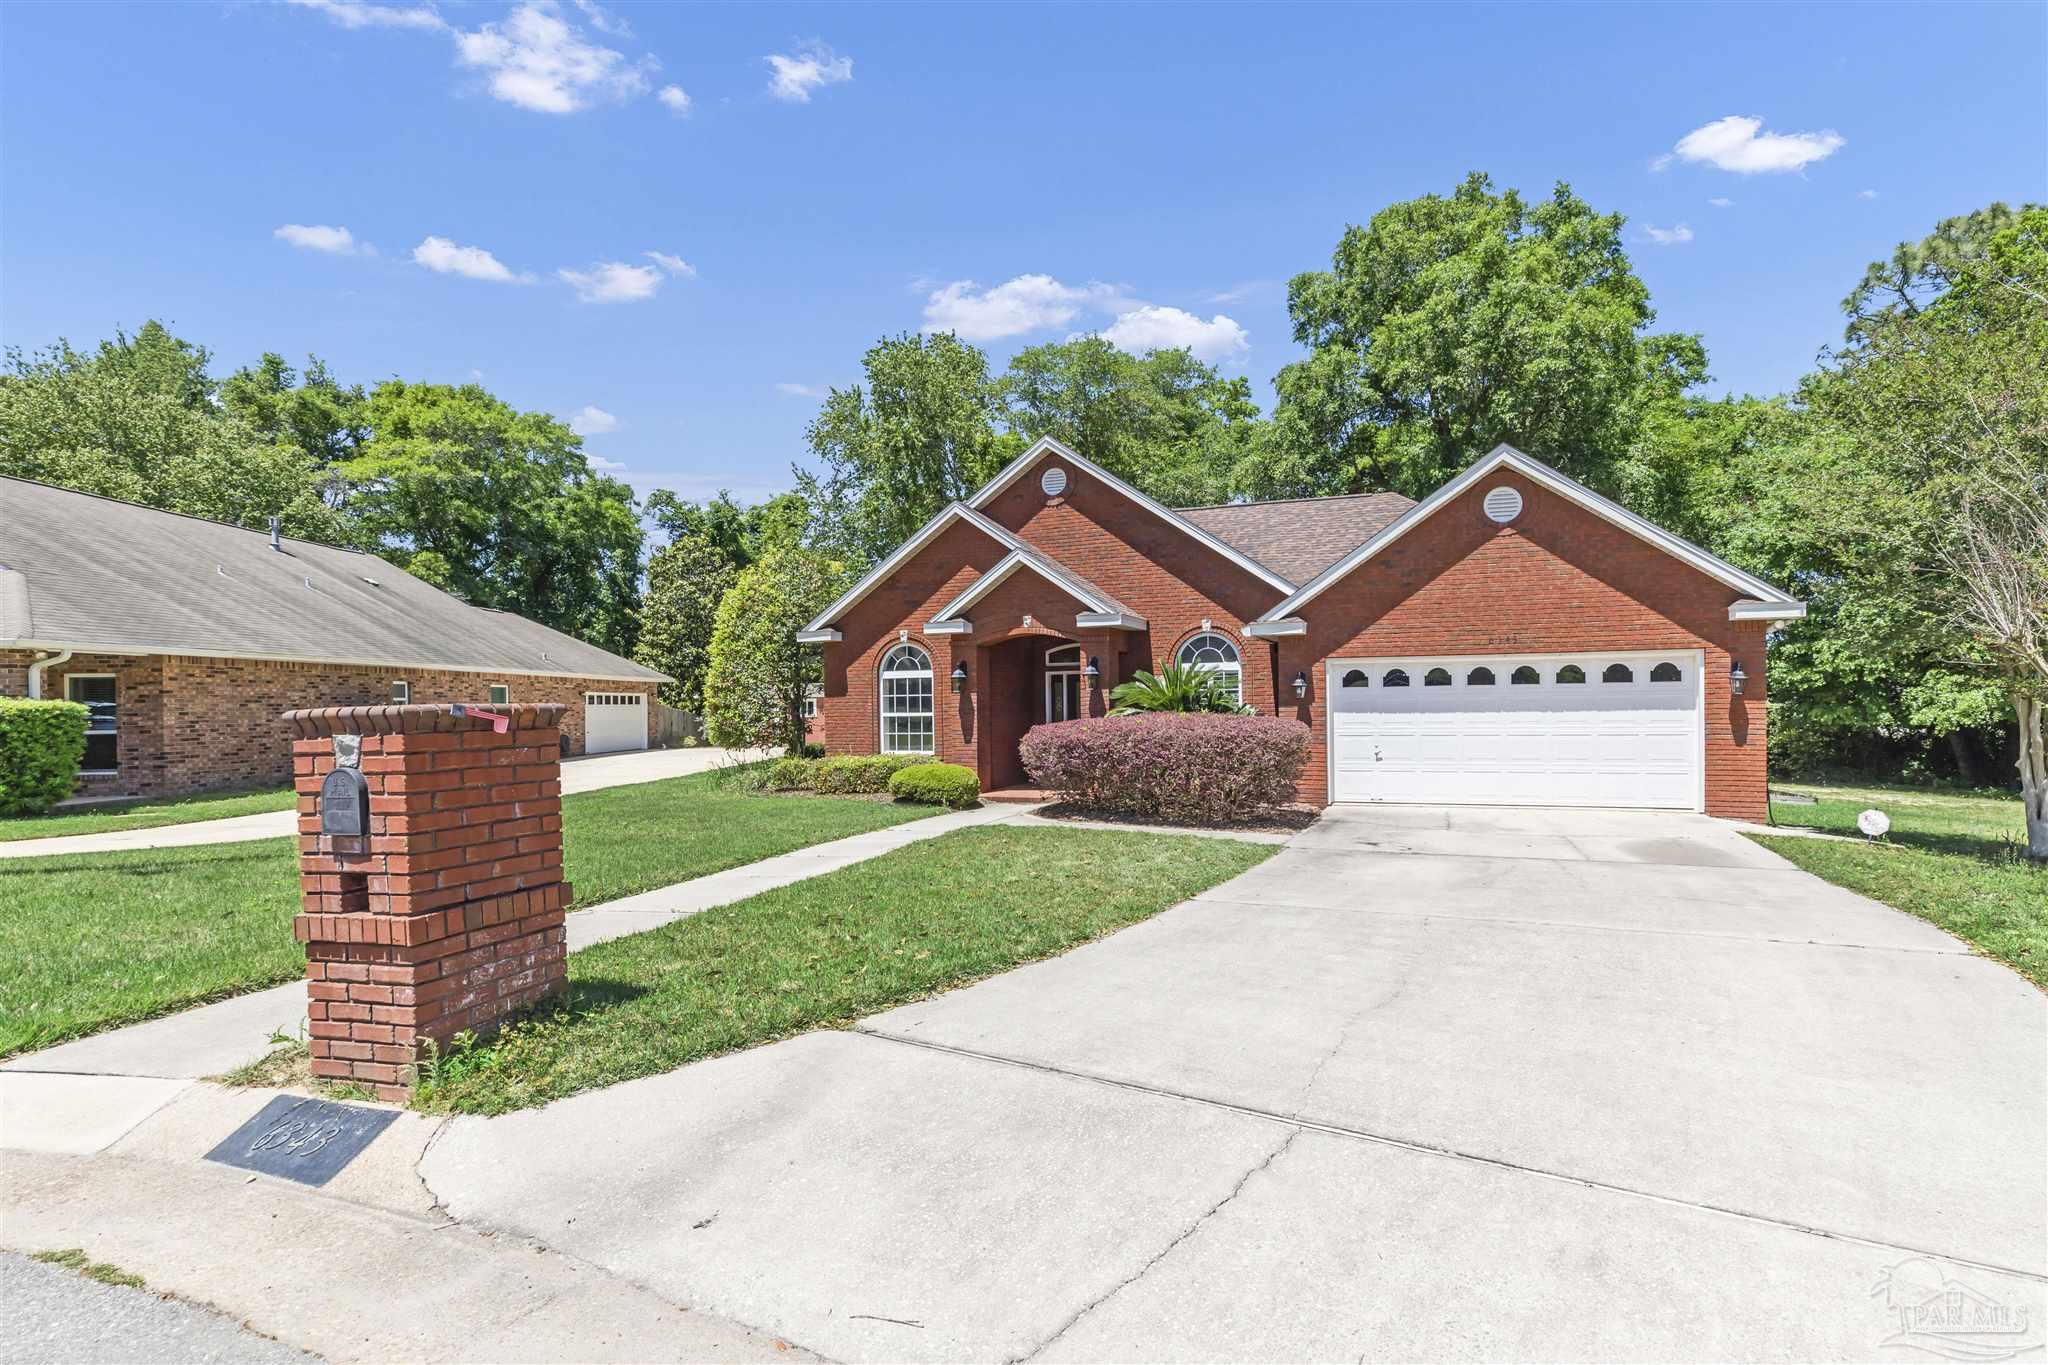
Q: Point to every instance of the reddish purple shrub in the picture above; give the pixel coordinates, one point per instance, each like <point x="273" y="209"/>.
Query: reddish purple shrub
<point x="1193" y="769"/>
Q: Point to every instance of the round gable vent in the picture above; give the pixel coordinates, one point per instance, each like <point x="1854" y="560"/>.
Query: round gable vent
<point x="1503" y="505"/>
<point x="1053" y="481"/>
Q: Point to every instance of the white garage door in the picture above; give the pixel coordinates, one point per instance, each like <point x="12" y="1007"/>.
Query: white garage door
<point x="1518" y="730"/>
<point x="613" y="721"/>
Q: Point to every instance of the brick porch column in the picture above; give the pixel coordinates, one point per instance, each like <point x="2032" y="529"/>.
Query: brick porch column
<point x="447" y="913"/>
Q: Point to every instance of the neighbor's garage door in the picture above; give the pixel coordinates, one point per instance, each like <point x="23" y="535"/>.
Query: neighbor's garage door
<point x="614" y="720"/>
<point x="1518" y="730"/>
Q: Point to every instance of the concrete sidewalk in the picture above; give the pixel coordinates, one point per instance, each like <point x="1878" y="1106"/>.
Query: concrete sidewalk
<point x="578" y="775"/>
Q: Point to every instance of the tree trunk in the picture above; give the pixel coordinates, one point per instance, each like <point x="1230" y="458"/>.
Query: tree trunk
<point x="2033" y="767"/>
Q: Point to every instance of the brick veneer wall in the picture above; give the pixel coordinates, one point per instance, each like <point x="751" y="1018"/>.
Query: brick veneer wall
<point x="1555" y="580"/>
<point x="190" y="724"/>
<point x="447" y="915"/>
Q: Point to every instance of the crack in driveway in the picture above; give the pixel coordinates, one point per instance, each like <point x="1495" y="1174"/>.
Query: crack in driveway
<point x="1142" y="1271"/>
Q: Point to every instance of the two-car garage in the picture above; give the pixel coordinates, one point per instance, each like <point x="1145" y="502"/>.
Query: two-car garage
<point x="1589" y="729"/>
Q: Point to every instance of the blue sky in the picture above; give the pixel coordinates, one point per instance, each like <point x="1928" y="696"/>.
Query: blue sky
<point x="814" y="177"/>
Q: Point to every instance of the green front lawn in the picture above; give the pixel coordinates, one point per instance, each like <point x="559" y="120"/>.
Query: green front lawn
<point x="95" y="940"/>
<point x="1956" y="861"/>
<point x="177" y="810"/>
<point x="825" y="952"/>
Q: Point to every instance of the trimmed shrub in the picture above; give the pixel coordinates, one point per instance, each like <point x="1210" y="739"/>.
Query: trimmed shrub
<point x="814" y="750"/>
<point x="41" y="743"/>
<point x="1190" y="769"/>
<point x="861" y="774"/>
<point x="792" y="774"/>
<point x="936" y="784"/>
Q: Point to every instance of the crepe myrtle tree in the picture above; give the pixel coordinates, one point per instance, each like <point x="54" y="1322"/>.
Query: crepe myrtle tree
<point x="758" y="676"/>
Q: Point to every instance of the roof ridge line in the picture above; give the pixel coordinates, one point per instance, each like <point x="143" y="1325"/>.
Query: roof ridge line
<point x="189" y="516"/>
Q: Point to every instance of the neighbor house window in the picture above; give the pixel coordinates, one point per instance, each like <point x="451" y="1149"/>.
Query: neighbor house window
<point x="500" y="694"/>
<point x="907" y="701"/>
<point x="95" y="692"/>
<point x="1213" y="653"/>
<point x="401" y="691"/>
<point x="810" y="707"/>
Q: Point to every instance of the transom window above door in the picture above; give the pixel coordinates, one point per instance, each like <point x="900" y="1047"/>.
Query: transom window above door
<point x="1063" y="659"/>
<point x="1214" y="653"/>
<point x="907" y="716"/>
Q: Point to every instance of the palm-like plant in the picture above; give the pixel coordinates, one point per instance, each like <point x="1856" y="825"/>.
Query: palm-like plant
<point x="1177" y="687"/>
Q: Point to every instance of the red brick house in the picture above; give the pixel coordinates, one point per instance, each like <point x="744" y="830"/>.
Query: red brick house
<point x="1513" y="639"/>
<point x="189" y="638"/>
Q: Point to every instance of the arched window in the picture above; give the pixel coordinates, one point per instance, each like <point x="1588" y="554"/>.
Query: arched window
<point x="1395" y="678"/>
<point x="1355" y="678"/>
<point x="1479" y="677"/>
<point x="906" y="701"/>
<point x="1618" y="673"/>
<point x="1666" y="672"/>
<point x="1213" y="653"/>
<point x="1063" y="659"/>
<point x="1571" y="673"/>
<point x="1524" y="676"/>
<point x="1437" y="677"/>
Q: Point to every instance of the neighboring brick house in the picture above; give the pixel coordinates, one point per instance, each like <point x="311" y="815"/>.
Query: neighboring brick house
<point x="189" y="638"/>
<point x="1513" y="639"/>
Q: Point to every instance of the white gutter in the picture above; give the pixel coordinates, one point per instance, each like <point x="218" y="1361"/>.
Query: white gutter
<point x="35" y="672"/>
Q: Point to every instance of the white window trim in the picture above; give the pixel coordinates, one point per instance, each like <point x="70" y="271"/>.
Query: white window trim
<point x="884" y="672"/>
<point x="1235" y="669"/>
<point x="115" y="679"/>
<point x="401" y="692"/>
<point x="494" y="689"/>
<point x="1062" y="670"/>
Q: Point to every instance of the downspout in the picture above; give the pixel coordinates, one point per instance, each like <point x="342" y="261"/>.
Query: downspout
<point x="35" y="672"/>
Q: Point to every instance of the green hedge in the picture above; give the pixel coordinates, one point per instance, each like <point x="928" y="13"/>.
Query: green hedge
<point x="936" y="784"/>
<point x="861" y="774"/>
<point x="792" y="774"/>
<point x="41" y="743"/>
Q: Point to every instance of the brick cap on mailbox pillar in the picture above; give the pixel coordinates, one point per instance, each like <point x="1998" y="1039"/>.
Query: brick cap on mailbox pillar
<point x="445" y="913"/>
<point x="319" y="722"/>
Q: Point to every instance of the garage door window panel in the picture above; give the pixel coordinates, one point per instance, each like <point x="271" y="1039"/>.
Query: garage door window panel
<point x="1618" y="673"/>
<point x="1525" y="676"/>
<point x="1355" y="678"/>
<point x="1479" y="677"/>
<point x="1666" y="673"/>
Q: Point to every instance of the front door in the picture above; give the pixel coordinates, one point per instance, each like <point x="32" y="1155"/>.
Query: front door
<point x="1063" y="683"/>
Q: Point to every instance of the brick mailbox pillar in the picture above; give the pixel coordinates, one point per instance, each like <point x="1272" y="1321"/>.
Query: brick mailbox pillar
<point x="445" y="913"/>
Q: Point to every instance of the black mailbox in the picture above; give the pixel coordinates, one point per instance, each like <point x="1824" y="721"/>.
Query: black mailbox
<point x="345" y="804"/>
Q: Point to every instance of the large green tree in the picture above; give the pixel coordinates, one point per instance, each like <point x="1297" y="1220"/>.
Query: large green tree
<point x="498" y="506"/>
<point x="1447" y="325"/>
<point x="919" y="433"/>
<point x="759" y="675"/>
<point x="1164" y="421"/>
<point x="139" y="418"/>
<point x="741" y="533"/>
<point x="686" y="580"/>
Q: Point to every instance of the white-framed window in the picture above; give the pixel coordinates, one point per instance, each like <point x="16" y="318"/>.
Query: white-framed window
<point x="810" y="706"/>
<point x="1063" y="683"/>
<point x="96" y="693"/>
<point x="1213" y="653"/>
<point x="401" y="692"/>
<point x="907" y="716"/>
<point x="500" y="694"/>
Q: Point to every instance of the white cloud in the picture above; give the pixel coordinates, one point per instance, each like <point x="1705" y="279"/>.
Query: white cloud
<point x="356" y="14"/>
<point x="1739" y="144"/>
<point x="675" y="97"/>
<point x="1866" y="194"/>
<point x="1721" y="201"/>
<point x="816" y="66"/>
<point x="539" y="61"/>
<point x="593" y="421"/>
<point x="338" y="241"/>
<point x="603" y="20"/>
<point x="1028" y="303"/>
<point x="1662" y="162"/>
<point x="599" y="462"/>
<point x="613" y="282"/>
<point x="1154" y="328"/>
<point x="473" y="262"/>
<point x="674" y="265"/>
<point x="1671" y="236"/>
<point x="795" y="390"/>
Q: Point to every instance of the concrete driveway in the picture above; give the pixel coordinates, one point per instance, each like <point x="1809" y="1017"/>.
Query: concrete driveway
<point x="1429" y="1083"/>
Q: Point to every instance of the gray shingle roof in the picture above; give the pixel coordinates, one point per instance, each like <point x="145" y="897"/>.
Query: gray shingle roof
<point x="1300" y="537"/>
<point x="92" y="573"/>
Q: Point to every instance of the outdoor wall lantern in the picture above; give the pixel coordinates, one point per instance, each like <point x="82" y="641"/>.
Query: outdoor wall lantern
<point x="1736" y="678"/>
<point x="959" y="676"/>
<point x="1300" y="684"/>
<point x="1093" y="670"/>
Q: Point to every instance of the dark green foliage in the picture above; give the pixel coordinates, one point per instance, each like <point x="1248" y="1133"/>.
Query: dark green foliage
<point x="861" y="774"/>
<point x="936" y="784"/>
<point x="792" y="774"/>
<point x="41" y="743"/>
<point x="1176" y="687"/>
